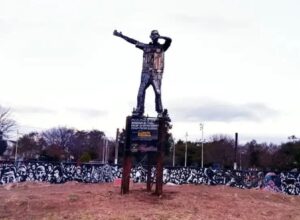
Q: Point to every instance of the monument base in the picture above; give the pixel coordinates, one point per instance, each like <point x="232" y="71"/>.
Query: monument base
<point x="145" y="135"/>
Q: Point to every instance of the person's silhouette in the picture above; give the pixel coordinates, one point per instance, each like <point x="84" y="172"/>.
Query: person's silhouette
<point x="153" y="67"/>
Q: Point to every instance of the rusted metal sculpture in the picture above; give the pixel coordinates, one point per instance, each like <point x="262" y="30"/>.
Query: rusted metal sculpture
<point x="153" y="67"/>
<point x="147" y="134"/>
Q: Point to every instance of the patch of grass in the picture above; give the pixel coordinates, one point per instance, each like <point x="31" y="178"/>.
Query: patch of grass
<point x="73" y="197"/>
<point x="22" y="203"/>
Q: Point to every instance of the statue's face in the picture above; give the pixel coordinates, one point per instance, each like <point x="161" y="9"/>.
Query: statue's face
<point x="154" y="35"/>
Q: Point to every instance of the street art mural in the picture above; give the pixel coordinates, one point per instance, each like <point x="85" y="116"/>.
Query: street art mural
<point x="286" y="182"/>
<point x="57" y="172"/>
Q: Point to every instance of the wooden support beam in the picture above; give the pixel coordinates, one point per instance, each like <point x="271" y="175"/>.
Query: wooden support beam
<point x="162" y="140"/>
<point x="127" y="160"/>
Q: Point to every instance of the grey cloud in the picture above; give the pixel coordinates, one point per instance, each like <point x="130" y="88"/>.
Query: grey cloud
<point x="210" y="22"/>
<point x="5" y="27"/>
<point x="33" y="110"/>
<point x="275" y="139"/>
<point x="224" y="112"/>
<point x="88" y="113"/>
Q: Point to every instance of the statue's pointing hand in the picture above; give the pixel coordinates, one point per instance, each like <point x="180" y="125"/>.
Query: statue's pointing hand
<point x="117" y="33"/>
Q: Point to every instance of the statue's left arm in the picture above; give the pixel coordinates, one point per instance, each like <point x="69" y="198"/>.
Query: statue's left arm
<point x="167" y="43"/>
<point x="128" y="39"/>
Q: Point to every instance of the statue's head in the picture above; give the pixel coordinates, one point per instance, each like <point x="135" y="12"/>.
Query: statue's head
<point x="154" y="35"/>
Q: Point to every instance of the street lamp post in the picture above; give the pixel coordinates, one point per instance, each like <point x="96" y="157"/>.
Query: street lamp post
<point x="103" y="149"/>
<point x="117" y="146"/>
<point x="174" y="150"/>
<point x="201" y="128"/>
<point x="106" y="151"/>
<point x="16" y="150"/>
<point x="240" y="160"/>
<point x="235" y="152"/>
<point x="185" y="155"/>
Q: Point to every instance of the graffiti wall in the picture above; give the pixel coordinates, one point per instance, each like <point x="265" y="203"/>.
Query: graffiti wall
<point x="57" y="172"/>
<point x="287" y="182"/>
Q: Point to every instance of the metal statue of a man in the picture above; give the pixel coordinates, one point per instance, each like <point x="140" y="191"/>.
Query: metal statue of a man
<point x="153" y="67"/>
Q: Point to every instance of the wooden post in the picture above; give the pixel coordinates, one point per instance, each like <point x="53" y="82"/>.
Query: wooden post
<point x="126" y="173"/>
<point x="162" y="138"/>
<point x="149" y="168"/>
<point x="127" y="161"/>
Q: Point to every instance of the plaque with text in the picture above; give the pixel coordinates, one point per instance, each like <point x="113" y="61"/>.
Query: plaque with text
<point x="143" y="134"/>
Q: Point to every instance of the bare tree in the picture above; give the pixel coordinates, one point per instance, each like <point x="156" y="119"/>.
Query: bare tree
<point x="7" y="124"/>
<point x="220" y="150"/>
<point x="90" y="142"/>
<point x="293" y="138"/>
<point x="60" y="136"/>
<point x="29" y="145"/>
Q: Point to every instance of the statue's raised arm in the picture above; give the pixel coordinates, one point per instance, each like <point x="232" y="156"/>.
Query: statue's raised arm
<point x="128" y="39"/>
<point x="167" y="42"/>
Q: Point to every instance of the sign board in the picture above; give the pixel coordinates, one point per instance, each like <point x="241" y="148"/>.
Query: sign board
<point x="143" y="134"/>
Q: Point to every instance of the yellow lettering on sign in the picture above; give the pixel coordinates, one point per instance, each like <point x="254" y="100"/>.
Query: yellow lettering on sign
<point x="144" y="134"/>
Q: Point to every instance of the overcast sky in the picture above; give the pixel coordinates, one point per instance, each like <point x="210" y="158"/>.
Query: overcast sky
<point x="232" y="65"/>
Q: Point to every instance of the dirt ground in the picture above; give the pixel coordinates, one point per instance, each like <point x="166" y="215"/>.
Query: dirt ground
<point x="103" y="201"/>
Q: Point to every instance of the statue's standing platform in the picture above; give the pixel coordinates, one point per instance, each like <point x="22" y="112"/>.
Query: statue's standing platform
<point x="146" y="135"/>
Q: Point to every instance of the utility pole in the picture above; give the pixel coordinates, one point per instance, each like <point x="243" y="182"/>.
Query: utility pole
<point x="202" y="128"/>
<point x="185" y="155"/>
<point x="16" y="151"/>
<point x="174" y="150"/>
<point x="117" y="146"/>
<point x="106" y="150"/>
<point x="103" y="150"/>
<point x="235" y="151"/>
<point x="240" y="159"/>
